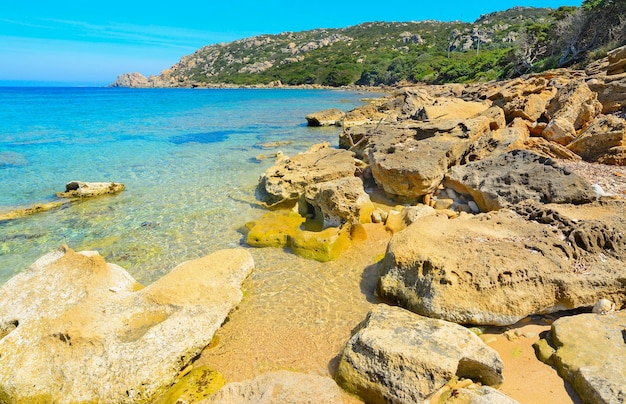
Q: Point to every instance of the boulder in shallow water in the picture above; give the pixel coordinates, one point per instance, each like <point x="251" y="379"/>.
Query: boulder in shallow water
<point x="325" y="245"/>
<point x="396" y="356"/>
<point x="336" y="202"/>
<point x="285" y="181"/>
<point x="79" y="189"/>
<point x="84" y="330"/>
<point x="327" y="117"/>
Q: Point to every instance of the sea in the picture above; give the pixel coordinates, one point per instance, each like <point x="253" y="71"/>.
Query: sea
<point x="190" y="160"/>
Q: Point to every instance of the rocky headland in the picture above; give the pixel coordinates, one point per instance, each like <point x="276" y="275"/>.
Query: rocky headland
<point x="505" y="205"/>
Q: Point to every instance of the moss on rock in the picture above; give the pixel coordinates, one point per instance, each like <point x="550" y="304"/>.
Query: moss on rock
<point x="199" y="383"/>
<point x="273" y="229"/>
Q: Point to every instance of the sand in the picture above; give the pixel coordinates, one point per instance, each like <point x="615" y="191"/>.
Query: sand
<point x="297" y="314"/>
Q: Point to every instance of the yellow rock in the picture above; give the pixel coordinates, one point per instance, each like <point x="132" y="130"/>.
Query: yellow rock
<point x="365" y="212"/>
<point x="358" y="232"/>
<point x="273" y="229"/>
<point x="395" y="222"/>
<point x="325" y="245"/>
<point x="199" y="383"/>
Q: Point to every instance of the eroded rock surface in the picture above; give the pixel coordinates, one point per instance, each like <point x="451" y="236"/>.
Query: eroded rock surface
<point x="411" y="160"/>
<point x="286" y="180"/>
<point x="327" y="117"/>
<point x="603" y="141"/>
<point x="336" y="202"/>
<point x="500" y="267"/>
<point x="84" y="330"/>
<point x="509" y="178"/>
<point x="399" y="357"/>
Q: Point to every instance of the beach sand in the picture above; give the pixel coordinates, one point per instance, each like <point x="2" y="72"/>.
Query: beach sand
<point x="298" y="315"/>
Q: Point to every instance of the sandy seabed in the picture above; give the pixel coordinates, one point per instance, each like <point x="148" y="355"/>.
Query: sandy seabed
<point x="297" y="314"/>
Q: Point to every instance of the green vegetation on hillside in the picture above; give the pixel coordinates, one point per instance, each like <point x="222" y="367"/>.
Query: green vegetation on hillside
<point x="497" y="45"/>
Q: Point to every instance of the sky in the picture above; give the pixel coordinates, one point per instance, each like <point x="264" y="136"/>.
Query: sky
<point x="91" y="42"/>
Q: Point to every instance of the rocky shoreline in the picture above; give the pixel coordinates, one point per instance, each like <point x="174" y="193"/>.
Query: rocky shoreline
<point x="486" y="191"/>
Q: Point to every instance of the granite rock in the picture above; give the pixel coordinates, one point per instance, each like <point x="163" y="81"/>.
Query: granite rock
<point x="509" y="178"/>
<point x="80" y="189"/>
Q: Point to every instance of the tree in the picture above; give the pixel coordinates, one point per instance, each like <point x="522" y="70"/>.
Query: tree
<point x="529" y="47"/>
<point x="575" y="37"/>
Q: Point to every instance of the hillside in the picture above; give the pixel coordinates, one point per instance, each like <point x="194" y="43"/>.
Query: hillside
<point x="374" y="53"/>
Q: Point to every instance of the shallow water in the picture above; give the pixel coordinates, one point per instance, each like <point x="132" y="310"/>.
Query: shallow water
<point x="187" y="158"/>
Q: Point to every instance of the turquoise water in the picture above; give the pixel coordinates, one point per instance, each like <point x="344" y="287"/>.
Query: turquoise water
<point x="187" y="158"/>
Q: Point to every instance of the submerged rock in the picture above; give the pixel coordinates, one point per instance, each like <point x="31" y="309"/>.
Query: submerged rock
<point x="86" y="331"/>
<point x="79" y="189"/>
<point x="284" y="230"/>
<point x="199" y="383"/>
<point x="399" y="357"/>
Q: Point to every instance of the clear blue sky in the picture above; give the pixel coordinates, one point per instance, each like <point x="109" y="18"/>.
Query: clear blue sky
<point x="94" y="41"/>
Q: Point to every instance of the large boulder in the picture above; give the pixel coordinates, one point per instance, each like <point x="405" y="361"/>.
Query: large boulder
<point x="500" y="267"/>
<point x="396" y="356"/>
<point x="285" y="181"/>
<point x="572" y="109"/>
<point x="411" y="159"/>
<point x="77" y="329"/>
<point x="509" y="178"/>
<point x="282" y="387"/>
<point x="80" y="189"/>
<point x="327" y="117"/>
<point x="336" y="202"/>
<point x="590" y="355"/>
<point x="452" y="108"/>
<point x="603" y="141"/>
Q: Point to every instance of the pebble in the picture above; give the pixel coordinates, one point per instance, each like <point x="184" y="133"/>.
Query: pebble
<point x="603" y="306"/>
<point x="377" y="217"/>
<point x="443" y="203"/>
<point x="473" y="206"/>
